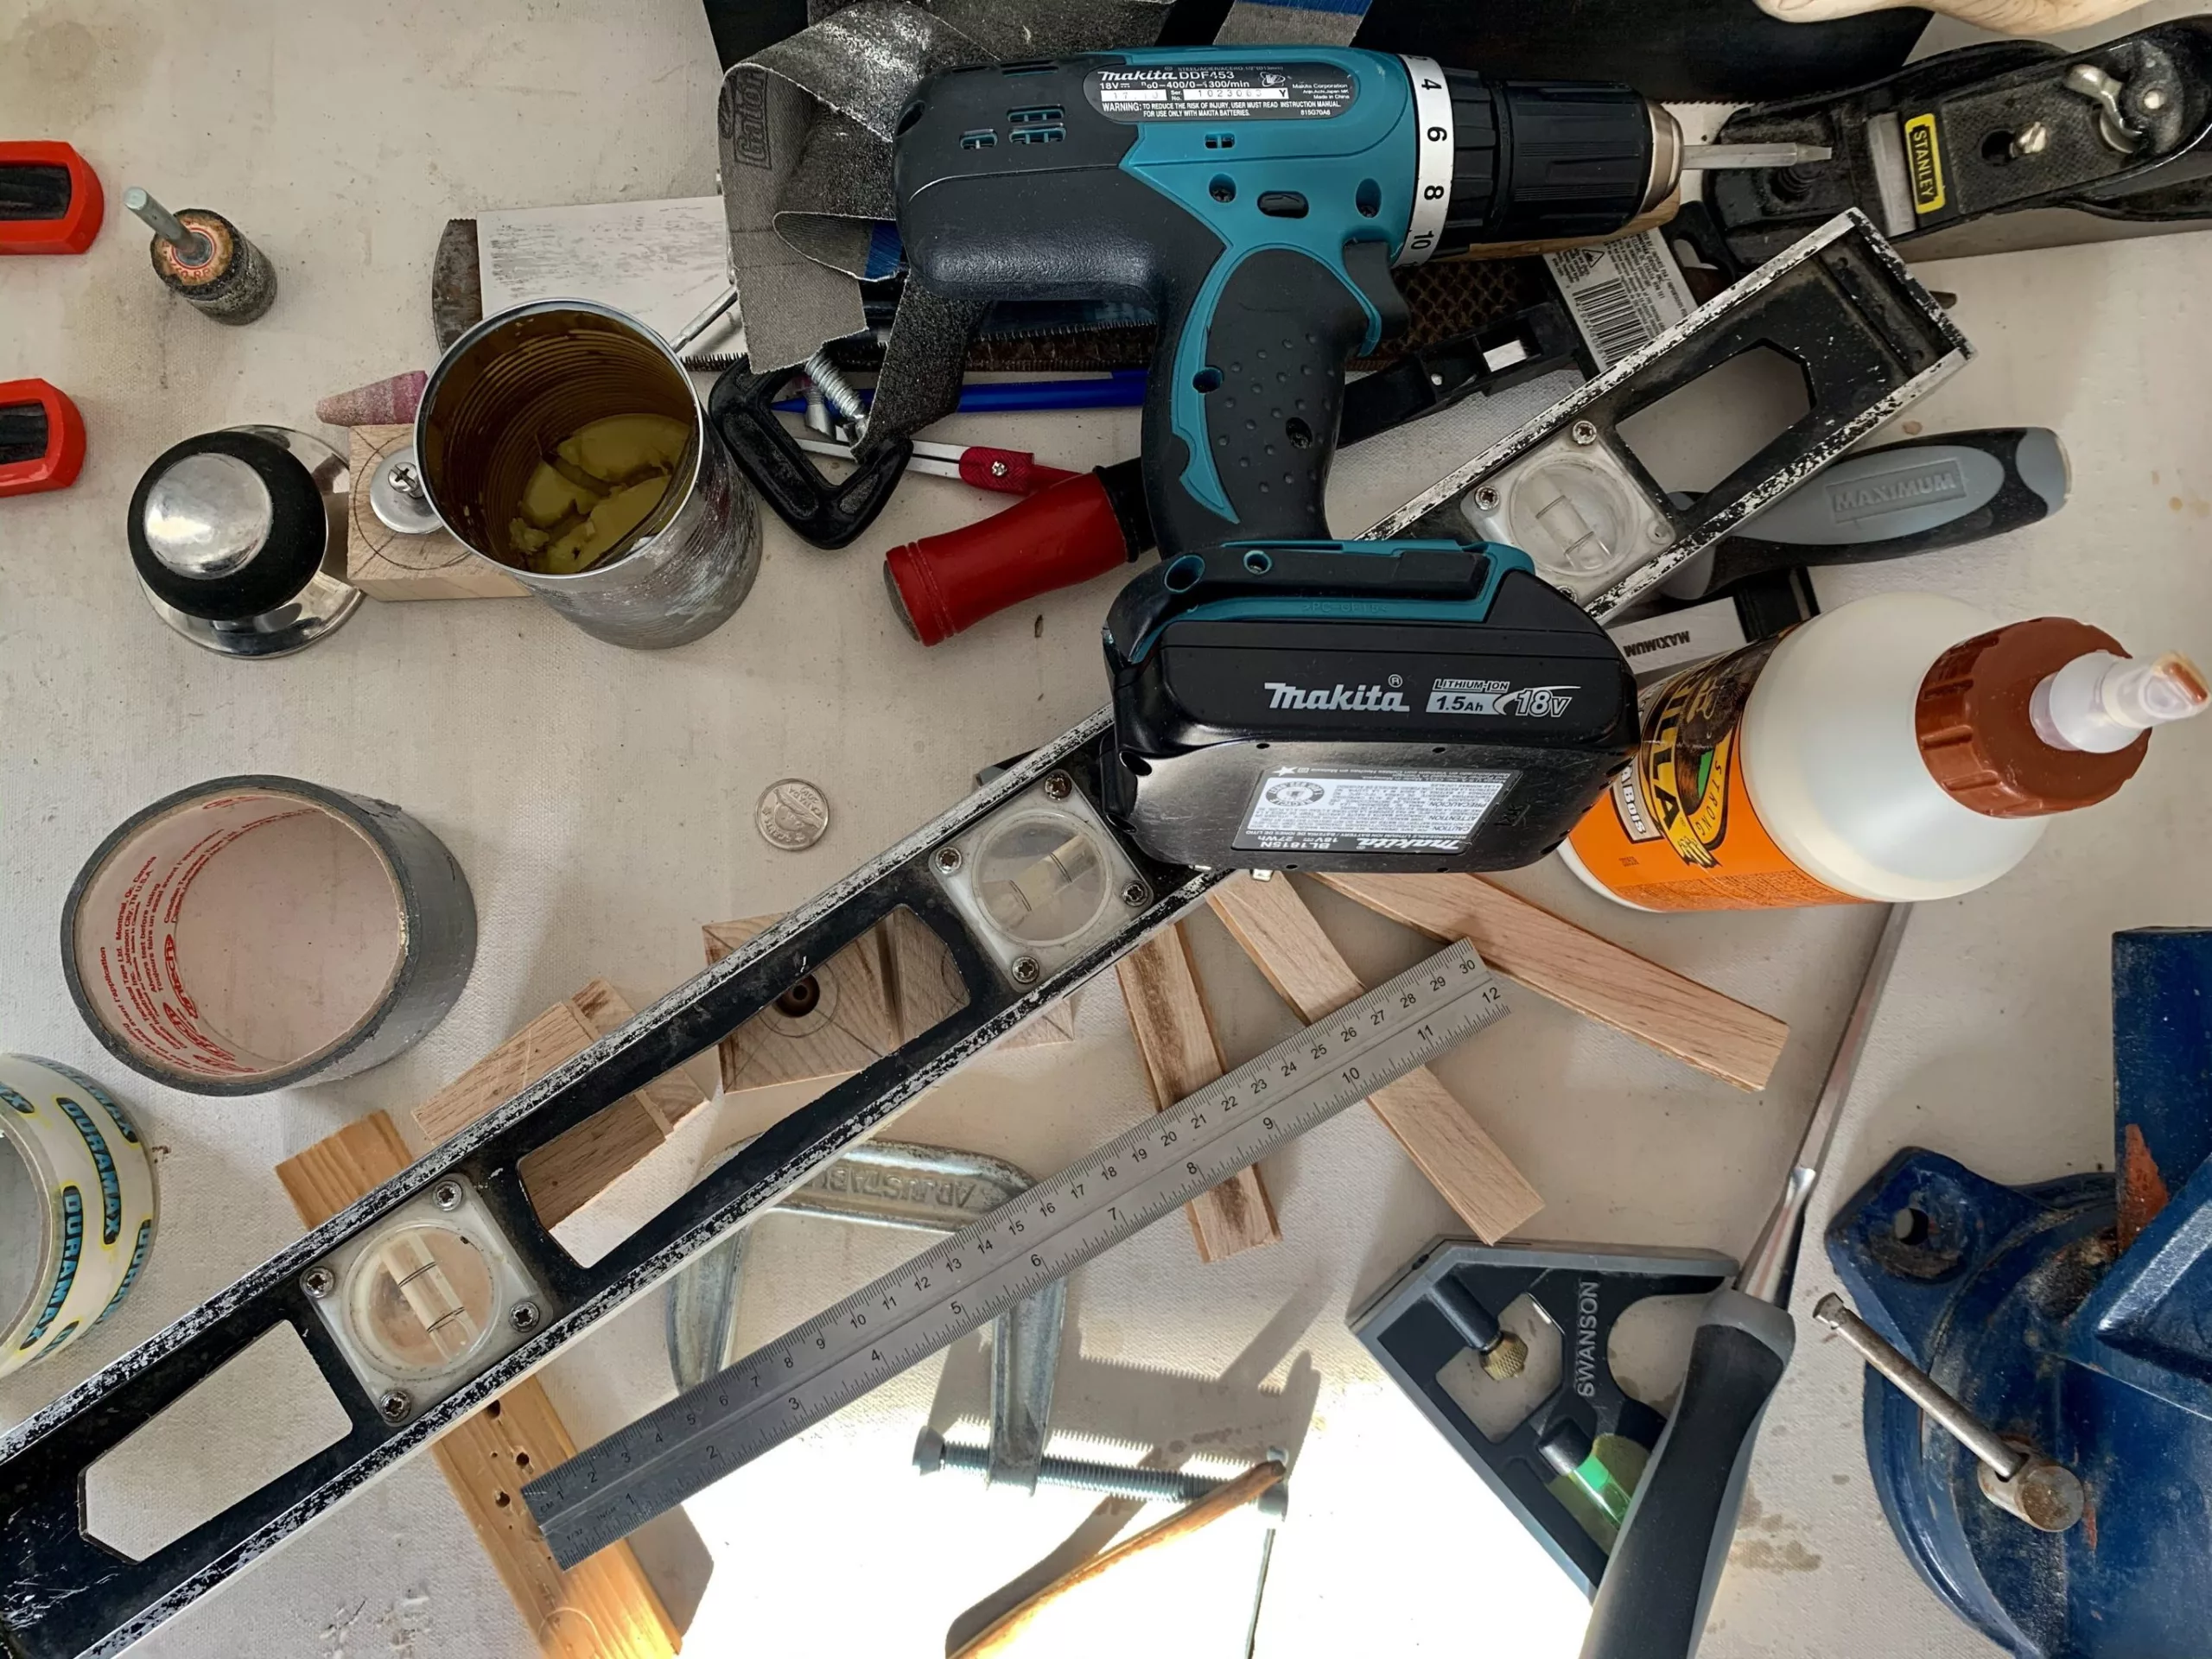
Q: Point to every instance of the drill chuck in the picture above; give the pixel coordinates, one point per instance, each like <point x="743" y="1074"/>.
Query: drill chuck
<point x="1541" y="161"/>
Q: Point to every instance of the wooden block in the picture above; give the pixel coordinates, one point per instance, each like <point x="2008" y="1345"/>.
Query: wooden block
<point x="605" y="1607"/>
<point x="570" y="1171"/>
<point x="384" y="564"/>
<point x="1592" y="976"/>
<point x="1175" y="1037"/>
<point x="839" y="1019"/>
<point x="885" y="988"/>
<point x="929" y="987"/>
<point x="1476" y="1178"/>
<point x="341" y="1167"/>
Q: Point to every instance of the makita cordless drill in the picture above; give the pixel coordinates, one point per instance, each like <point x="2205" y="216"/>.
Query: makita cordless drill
<point x="1282" y="698"/>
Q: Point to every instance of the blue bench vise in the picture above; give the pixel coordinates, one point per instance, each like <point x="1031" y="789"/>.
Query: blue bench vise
<point x="2075" y="1316"/>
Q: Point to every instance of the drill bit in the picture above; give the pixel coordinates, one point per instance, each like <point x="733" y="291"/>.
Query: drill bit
<point x="1709" y="158"/>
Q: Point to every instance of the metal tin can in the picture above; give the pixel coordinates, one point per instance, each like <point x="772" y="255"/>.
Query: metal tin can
<point x="77" y="1207"/>
<point x="251" y="933"/>
<point x="510" y="391"/>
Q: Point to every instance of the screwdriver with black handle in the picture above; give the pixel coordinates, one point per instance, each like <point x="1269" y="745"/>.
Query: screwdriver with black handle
<point x="1943" y="490"/>
<point x="1659" y="1581"/>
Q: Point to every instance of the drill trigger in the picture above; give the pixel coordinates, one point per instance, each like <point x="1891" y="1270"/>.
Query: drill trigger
<point x="1367" y="268"/>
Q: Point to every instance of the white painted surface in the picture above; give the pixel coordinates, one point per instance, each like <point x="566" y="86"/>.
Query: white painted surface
<point x="600" y="802"/>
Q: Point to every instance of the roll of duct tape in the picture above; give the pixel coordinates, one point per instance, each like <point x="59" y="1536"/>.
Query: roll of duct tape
<point x="77" y="1207"/>
<point x="250" y="933"/>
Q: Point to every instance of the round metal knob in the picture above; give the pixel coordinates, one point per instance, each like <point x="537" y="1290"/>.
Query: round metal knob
<point x="207" y="516"/>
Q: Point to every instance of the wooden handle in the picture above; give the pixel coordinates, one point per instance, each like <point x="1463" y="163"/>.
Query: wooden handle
<point x="1232" y="1495"/>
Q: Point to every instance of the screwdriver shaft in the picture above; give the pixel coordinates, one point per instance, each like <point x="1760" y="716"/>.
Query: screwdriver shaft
<point x="191" y="247"/>
<point x="1709" y="158"/>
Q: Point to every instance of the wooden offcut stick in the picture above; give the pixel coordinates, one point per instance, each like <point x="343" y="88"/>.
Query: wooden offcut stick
<point x="1530" y="945"/>
<point x="603" y="1608"/>
<point x="885" y="988"/>
<point x="1225" y="1499"/>
<point x="1175" y="1039"/>
<point x="579" y="1164"/>
<point x="1462" y="1163"/>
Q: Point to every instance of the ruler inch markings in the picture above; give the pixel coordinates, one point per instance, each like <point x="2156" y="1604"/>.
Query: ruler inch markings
<point x="1038" y="1235"/>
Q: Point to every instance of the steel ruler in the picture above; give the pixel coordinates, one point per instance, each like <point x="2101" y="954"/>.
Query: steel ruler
<point x="1035" y="1237"/>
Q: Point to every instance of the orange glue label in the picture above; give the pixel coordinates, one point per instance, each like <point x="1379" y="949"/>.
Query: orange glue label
<point x="1678" y="830"/>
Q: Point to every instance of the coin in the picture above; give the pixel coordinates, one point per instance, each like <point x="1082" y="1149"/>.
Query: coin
<point x="791" y="815"/>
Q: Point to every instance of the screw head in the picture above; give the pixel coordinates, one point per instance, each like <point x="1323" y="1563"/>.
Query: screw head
<point x="394" y="1404"/>
<point x="524" y="1316"/>
<point x="947" y="860"/>
<point x="2032" y="139"/>
<point x="1486" y="497"/>
<point x="1584" y="432"/>
<point x="318" y="1282"/>
<point x="1025" y="970"/>
<point x="1136" y="895"/>
<point x="406" y="479"/>
<point x="447" y="1195"/>
<point x="2155" y="98"/>
<point x="998" y="469"/>
<point x="1058" y="786"/>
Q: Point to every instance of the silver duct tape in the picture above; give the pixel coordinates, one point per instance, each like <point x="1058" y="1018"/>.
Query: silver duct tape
<point x="437" y="919"/>
<point x="804" y="132"/>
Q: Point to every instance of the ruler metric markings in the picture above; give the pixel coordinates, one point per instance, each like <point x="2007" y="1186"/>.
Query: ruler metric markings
<point x="1039" y="1234"/>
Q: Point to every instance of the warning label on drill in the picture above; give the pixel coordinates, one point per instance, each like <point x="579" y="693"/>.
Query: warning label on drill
<point x="1228" y="92"/>
<point x="1310" y="809"/>
<point x="1624" y="295"/>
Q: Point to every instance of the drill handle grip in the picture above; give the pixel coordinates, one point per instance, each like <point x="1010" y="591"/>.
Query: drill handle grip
<point x="1239" y="419"/>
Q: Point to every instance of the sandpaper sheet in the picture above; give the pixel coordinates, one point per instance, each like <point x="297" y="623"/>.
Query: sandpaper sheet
<point x="662" y="262"/>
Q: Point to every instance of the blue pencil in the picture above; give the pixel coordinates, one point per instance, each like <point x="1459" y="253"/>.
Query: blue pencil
<point x="1121" y="389"/>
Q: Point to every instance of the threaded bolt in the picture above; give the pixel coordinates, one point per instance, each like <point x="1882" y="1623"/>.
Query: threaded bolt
<point x="933" y="1453"/>
<point x="837" y="390"/>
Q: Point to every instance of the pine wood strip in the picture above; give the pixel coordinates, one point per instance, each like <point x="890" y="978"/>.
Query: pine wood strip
<point x="1175" y="1039"/>
<point x="1461" y="1161"/>
<point x="1548" y="954"/>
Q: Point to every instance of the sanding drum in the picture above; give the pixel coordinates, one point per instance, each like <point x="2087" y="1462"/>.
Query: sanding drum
<point x="76" y="1207"/>
<point x="251" y="933"/>
<point x="508" y="394"/>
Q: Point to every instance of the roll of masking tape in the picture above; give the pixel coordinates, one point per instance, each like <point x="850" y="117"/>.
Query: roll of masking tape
<point x="76" y="1207"/>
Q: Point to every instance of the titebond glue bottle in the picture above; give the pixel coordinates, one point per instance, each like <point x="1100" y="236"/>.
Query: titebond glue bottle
<point x="1899" y="748"/>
